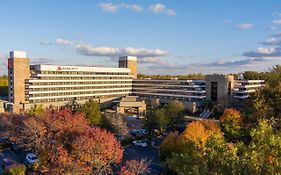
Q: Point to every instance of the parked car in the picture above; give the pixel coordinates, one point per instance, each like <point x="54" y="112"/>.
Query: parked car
<point x="139" y="132"/>
<point x="140" y="143"/>
<point x="30" y="159"/>
<point x="7" y="163"/>
<point x="143" y="131"/>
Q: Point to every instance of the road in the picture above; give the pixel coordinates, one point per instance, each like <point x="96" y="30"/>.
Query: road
<point x="19" y="157"/>
<point x="132" y="152"/>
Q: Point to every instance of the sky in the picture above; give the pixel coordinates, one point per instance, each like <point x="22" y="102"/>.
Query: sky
<point x="168" y="37"/>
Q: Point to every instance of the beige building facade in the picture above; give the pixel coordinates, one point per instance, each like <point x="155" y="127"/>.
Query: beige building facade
<point x="18" y="73"/>
<point x="129" y="62"/>
<point x="219" y="88"/>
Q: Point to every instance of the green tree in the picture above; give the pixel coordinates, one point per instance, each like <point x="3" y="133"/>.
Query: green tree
<point x="173" y="110"/>
<point x="157" y="119"/>
<point x="91" y="110"/>
<point x="36" y="110"/>
<point x="263" y="154"/>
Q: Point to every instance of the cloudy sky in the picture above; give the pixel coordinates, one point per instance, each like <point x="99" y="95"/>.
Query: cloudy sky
<point x="168" y="37"/>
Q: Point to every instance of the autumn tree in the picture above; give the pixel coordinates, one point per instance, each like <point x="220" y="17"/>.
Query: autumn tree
<point x="173" y="143"/>
<point x="91" y="110"/>
<point x="136" y="167"/>
<point x="231" y="122"/>
<point x="66" y="144"/>
<point x="200" y="150"/>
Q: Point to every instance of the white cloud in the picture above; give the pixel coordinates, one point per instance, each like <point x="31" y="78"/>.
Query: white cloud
<point x="277" y="21"/>
<point x="244" y="26"/>
<point x="60" y="41"/>
<point x="112" y="8"/>
<point x="89" y="50"/>
<point x="161" y="8"/>
<point x="134" y="7"/>
<point x="264" y="52"/>
<point x="272" y="41"/>
<point x="108" y="7"/>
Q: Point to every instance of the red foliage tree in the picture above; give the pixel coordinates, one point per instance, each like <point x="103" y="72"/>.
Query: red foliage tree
<point x="66" y="143"/>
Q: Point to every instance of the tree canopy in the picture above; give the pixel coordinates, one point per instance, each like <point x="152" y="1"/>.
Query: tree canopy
<point x="91" y="110"/>
<point x="66" y="143"/>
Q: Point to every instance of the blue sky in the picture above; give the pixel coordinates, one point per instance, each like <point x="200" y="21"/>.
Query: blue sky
<point x="169" y="37"/>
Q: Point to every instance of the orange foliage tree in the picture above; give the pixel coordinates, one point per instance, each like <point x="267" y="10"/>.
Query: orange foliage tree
<point x="135" y="167"/>
<point x="231" y="122"/>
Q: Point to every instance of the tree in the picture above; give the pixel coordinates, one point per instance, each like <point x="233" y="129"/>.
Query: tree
<point x="135" y="167"/>
<point x="115" y="123"/>
<point x="157" y="119"/>
<point x="173" y="109"/>
<point x="161" y="119"/>
<point x="173" y="143"/>
<point x="4" y="85"/>
<point x="199" y="131"/>
<point x="91" y="110"/>
<point x="96" y="150"/>
<point x="263" y="154"/>
<point x="65" y="143"/>
<point x="231" y="122"/>
<point x="36" y="110"/>
<point x="16" y="170"/>
<point x="200" y="149"/>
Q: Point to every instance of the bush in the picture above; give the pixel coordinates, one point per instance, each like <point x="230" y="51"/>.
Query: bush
<point x="17" y="170"/>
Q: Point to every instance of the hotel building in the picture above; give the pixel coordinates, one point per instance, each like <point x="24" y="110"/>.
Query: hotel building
<point x="244" y="88"/>
<point x="57" y="85"/>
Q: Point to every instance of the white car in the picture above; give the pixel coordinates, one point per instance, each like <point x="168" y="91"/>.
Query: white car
<point x="31" y="158"/>
<point x="140" y="143"/>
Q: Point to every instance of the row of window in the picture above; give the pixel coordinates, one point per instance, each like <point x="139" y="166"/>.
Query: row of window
<point x="168" y="92"/>
<point x="171" y="88"/>
<point x="171" y="97"/>
<point x="78" y="88"/>
<point x="78" y="83"/>
<point x="74" y="93"/>
<point x="170" y="83"/>
<point x="82" y="78"/>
